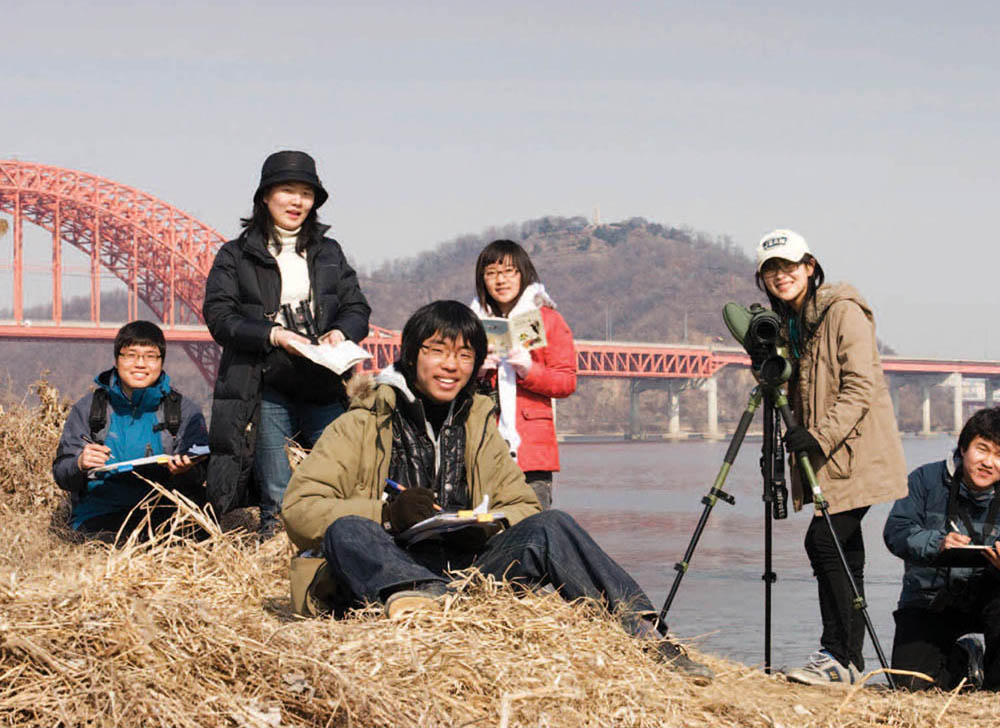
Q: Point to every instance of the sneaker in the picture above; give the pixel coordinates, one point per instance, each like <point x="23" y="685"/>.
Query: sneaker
<point x="824" y="669"/>
<point x="674" y="656"/>
<point x="967" y="661"/>
<point x="406" y="601"/>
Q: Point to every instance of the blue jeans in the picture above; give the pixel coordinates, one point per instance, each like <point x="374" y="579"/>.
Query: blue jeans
<point x="546" y="548"/>
<point x="281" y="419"/>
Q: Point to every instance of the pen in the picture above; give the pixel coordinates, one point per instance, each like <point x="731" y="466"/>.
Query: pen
<point x="399" y="488"/>
<point x="953" y="525"/>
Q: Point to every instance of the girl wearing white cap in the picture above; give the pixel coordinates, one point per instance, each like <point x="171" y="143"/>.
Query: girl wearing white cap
<point x="846" y="426"/>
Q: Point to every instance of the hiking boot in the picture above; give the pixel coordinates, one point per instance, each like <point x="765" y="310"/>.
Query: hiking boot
<point x="824" y="669"/>
<point x="966" y="660"/>
<point x="674" y="656"/>
<point x="406" y="601"/>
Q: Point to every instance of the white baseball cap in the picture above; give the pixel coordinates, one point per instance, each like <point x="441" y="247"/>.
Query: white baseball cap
<point x="784" y="244"/>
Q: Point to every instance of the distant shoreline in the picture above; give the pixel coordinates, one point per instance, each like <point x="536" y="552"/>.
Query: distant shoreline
<point x="662" y="437"/>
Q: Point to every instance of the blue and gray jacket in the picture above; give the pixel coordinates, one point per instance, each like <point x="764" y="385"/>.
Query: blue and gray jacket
<point x="918" y="523"/>
<point x="134" y="430"/>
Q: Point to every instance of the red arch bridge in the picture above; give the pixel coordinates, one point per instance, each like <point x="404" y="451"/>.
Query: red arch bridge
<point x="163" y="256"/>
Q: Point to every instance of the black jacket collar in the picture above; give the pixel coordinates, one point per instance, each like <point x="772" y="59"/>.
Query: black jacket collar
<point x="254" y="245"/>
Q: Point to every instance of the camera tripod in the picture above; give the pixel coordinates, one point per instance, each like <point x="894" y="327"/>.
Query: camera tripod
<point x="776" y="410"/>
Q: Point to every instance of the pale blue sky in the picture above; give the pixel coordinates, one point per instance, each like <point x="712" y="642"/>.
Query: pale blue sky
<point x="871" y="128"/>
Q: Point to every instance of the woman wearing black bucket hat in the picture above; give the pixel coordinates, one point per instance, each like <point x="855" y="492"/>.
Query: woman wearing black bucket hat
<point x="264" y="290"/>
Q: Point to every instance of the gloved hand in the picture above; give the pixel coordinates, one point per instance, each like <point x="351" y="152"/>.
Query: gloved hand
<point x="409" y="507"/>
<point x="798" y="438"/>
<point x="490" y="364"/>
<point x="520" y="359"/>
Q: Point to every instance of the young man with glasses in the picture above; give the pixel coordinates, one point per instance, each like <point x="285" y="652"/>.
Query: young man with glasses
<point x="132" y="414"/>
<point x="945" y="530"/>
<point x="424" y="435"/>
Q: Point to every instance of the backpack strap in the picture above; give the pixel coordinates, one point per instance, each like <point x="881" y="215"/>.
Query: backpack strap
<point x="172" y="411"/>
<point x="170" y="407"/>
<point x="98" y="420"/>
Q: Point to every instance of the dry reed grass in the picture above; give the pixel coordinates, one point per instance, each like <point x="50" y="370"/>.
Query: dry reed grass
<point x="175" y="633"/>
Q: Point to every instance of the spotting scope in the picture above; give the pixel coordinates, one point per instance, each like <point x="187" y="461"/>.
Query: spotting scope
<point x="758" y="330"/>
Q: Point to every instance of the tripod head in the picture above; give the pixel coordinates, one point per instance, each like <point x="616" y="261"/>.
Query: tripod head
<point x="758" y="330"/>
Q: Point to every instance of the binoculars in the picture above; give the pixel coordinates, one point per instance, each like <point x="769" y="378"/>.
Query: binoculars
<point x="300" y="320"/>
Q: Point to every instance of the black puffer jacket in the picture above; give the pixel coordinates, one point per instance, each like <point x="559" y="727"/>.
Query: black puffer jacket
<point x="242" y="297"/>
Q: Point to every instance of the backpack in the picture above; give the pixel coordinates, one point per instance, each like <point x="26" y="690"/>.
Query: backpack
<point x="170" y="410"/>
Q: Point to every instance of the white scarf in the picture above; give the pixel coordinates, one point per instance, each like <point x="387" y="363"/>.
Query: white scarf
<point x="534" y="296"/>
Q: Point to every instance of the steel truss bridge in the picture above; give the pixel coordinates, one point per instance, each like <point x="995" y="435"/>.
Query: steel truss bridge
<point x="163" y="255"/>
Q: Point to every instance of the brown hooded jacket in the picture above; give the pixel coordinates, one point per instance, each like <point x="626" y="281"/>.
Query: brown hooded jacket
<point x="840" y="395"/>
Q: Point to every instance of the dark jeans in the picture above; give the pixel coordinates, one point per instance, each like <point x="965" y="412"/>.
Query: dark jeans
<point x="925" y="639"/>
<point x="546" y="548"/>
<point x="541" y="482"/>
<point x="284" y="419"/>
<point x="843" y="625"/>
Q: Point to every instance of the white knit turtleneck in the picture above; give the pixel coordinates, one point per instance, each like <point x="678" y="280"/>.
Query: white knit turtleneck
<point x="292" y="266"/>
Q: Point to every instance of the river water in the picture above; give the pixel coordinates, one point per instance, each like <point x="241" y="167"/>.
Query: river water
<point x="642" y="501"/>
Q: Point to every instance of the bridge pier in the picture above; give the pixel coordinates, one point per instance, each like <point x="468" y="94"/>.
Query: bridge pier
<point x="57" y="271"/>
<point x="711" y="387"/>
<point x="673" y="409"/>
<point x="673" y="388"/>
<point x="633" y="409"/>
<point x="957" y="409"/>
<point x="925" y="410"/>
<point x="18" y="255"/>
<point x="892" y="382"/>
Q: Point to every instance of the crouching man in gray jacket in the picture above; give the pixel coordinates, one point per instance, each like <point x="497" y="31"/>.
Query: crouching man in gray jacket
<point x="946" y="530"/>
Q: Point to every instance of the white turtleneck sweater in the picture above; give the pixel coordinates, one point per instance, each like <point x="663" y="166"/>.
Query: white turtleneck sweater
<point x="292" y="266"/>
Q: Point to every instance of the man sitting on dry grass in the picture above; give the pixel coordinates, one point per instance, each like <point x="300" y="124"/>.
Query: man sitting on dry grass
<point x="132" y="414"/>
<point x="423" y="428"/>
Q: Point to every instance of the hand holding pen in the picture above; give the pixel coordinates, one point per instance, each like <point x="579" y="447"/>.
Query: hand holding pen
<point x="391" y="486"/>
<point x="954" y="539"/>
<point x="410" y="506"/>
<point x="93" y="455"/>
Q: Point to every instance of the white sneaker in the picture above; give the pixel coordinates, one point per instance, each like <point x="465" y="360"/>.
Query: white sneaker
<point x="824" y="669"/>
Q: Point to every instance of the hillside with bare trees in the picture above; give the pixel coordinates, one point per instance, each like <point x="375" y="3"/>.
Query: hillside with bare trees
<point x="628" y="281"/>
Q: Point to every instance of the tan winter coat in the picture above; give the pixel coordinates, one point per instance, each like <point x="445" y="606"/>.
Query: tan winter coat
<point x="840" y="395"/>
<point x="345" y="472"/>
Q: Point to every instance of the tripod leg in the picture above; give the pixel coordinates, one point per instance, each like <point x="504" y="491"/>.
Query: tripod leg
<point x="714" y="494"/>
<point x="824" y="508"/>
<point x="767" y="471"/>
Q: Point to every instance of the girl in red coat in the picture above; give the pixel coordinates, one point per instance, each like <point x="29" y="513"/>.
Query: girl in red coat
<point x="525" y="382"/>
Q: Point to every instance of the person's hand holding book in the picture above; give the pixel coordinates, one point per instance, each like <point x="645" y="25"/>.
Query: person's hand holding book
<point x="520" y="359"/>
<point x="490" y="363"/>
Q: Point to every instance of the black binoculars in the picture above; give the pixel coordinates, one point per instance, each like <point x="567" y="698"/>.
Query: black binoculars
<point x="300" y="320"/>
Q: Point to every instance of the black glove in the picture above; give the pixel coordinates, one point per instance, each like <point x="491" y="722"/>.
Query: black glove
<point x="409" y="507"/>
<point x="799" y="438"/>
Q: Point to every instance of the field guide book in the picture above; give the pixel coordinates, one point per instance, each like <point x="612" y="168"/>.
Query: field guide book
<point x="446" y="522"/>
<point x="525" y="330"/>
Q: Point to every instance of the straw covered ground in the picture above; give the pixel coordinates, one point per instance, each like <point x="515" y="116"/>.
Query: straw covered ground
<point x="200" y="634"/>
